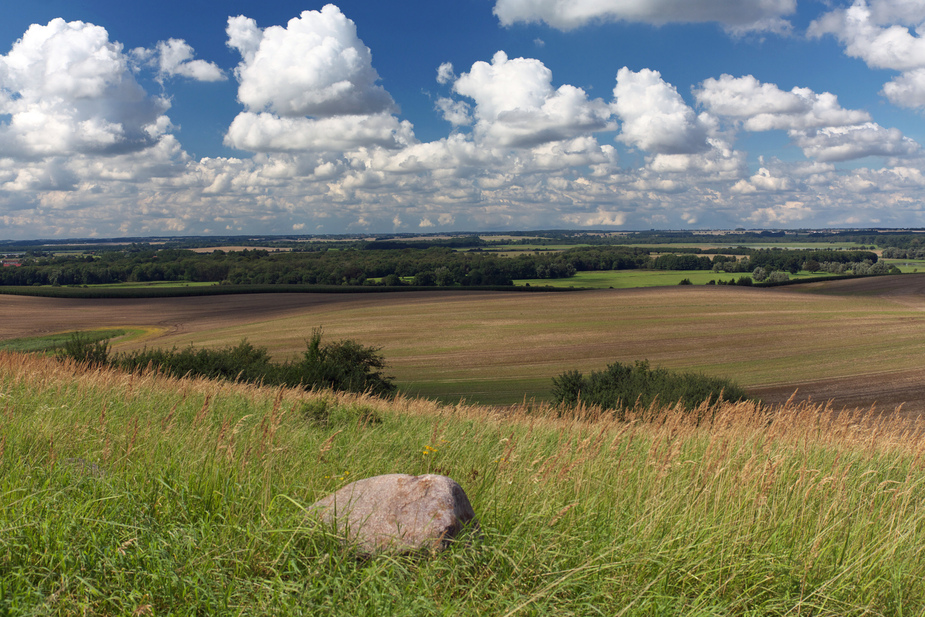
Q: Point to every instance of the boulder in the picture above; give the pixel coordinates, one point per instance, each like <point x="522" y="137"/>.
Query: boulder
<point x="398" y="513"/>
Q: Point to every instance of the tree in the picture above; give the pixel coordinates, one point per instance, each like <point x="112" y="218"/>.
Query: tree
<point x="778" y="276"/>
<point x="344" y="365"/>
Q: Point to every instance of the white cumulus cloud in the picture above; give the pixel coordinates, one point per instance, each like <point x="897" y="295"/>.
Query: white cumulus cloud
<point x="517" y="106"/>
<point x="764" y="107"/>
<point x="175" y="57"/>
<point x="655" y="117"/>
<point x="879" y="33"/>
<point x="268" y="132"/>
<point x="736" y="15"/>
<point x="309" y="86"/>
<point x="845" y="143"/>
<point x="68" y="89"/>
<point x="315" y="66"/>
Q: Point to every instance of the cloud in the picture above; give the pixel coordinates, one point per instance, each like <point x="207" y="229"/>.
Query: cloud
<point x="266" y="132"/>
<point x="516" y="105"/>
<point x="845" y="143"/>
<point x="764" y="107"/>
<point x="598" y="218"/>
<point x="878" y="34"/>
<point x="764" y="180"/>
<point x="457" y="113"/>
<point x="736" y="15"/>
<point x="907" y="90"/>
<point x="779" y="215"/>
<point x="310" y="86"/>
<point x="814" y="122"/>
<point x="68" y="90"/>
<point x="315" y="66"/>
<point x="445" y="73"/>
<point x="655" y="117"/>
<point x="174" y="57"/>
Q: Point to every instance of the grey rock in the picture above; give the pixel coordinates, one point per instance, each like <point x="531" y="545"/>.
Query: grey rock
<point x="398" y="513"/>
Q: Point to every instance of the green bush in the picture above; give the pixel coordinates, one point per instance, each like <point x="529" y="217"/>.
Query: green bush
<point x="243" y="362"/>
<point x="83" y="347"/>
<point x="344" y="365"/>
<point x="622" y="386"/>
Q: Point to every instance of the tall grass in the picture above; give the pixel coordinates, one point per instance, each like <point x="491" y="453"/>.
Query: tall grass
<point x="143" y="494"/>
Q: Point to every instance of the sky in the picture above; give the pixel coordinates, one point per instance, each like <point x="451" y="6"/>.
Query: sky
<point x="243" y="117"/>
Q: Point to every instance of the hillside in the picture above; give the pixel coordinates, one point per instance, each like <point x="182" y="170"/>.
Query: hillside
<point x="141" y="495"/>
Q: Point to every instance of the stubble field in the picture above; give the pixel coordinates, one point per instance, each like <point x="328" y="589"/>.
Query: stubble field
<point x="853" y="342"/>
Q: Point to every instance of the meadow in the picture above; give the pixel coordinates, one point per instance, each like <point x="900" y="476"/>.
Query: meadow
<point x="143" y="495"/>
<point x="504" y="348"/>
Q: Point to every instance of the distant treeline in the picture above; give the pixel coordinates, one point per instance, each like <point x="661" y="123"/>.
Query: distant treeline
<point x="398" y="265"/>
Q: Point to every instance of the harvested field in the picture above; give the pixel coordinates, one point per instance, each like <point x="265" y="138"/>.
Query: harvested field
<point x="853" y="342"/>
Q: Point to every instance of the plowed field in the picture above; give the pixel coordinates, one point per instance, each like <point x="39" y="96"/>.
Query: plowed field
<point x="855" y="343"/>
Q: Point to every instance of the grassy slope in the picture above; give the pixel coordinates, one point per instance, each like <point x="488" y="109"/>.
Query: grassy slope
<point x="142" y="495"/>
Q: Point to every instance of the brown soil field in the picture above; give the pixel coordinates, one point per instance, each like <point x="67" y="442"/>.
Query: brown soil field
<point x="855" y="343"/>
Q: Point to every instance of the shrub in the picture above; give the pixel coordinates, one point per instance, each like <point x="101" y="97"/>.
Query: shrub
<point x="243" y="362"/>
<point x="778" y="276"/>
<point x="84" y="348"/>
<point x="620" y="386"/>
<point x="344" y="365"/>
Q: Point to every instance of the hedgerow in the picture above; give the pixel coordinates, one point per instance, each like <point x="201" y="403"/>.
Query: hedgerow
<point x="623" y="386"/>
<point x="343" y="365"/>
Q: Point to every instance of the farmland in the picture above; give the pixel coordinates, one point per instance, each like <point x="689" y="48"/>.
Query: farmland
<point x="856" y="342"/>
<point x="147" y="494"/>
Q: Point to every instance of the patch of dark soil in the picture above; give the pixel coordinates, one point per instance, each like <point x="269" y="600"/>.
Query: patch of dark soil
<point x="902" y="392"/>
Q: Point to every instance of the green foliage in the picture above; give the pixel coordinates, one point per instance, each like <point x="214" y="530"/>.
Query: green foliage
<point x="243" y="362"/>
<point x="343" y="365"/>
<point x="83" y="347"/>
<point x="622" y="386"/>
<point x="54" y="342"/>
<point x="325" y="413"/>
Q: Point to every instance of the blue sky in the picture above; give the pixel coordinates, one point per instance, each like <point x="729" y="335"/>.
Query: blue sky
<point x="357" y="117"/>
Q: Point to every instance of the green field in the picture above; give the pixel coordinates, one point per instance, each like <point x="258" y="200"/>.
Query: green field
<point x="52" y="342"/>
<point x="907" y="265"/>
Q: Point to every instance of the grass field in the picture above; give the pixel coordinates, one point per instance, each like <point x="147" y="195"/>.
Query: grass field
<point x="501" y="348"/>
<point x="907" y="265"/>
<point x="141" y="495"/>
<point x="52" y="342"/>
